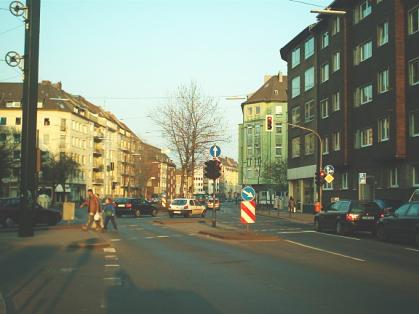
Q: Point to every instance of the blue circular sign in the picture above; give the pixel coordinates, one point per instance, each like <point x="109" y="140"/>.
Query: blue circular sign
<point x="248" y="193"/>
<point x="215" y="151"/>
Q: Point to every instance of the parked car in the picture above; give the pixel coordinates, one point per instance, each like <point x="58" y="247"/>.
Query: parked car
<point x="201" y="198"/>
<point x="134" y="206"/>
<point x="10" y="213"/>
<point x="415" y="196"/>
<point x="186" y="207"/>
<point x="402" y="224"/>
<point x="388" y="206"/>
<point x="346" y="216"/>
<point x="213" y="204"/>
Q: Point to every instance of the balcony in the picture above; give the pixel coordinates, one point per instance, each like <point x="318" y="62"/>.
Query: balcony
<point x="98" y="181"/>
<point x="98" y="150"/>
<point x="97" y="167"/>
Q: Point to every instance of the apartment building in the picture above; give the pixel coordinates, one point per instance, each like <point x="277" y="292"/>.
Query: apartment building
<point x="366" y="66"/>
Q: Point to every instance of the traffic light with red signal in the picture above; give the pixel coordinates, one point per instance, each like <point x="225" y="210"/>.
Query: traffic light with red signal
<point x="320" y="177"/>
<point x="269" y="122"/>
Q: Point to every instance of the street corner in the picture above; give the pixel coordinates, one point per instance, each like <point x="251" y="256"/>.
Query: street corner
<point x="236" y="235"/>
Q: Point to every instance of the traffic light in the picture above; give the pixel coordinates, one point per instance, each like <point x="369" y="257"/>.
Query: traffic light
<point x="269" y="122"/>
<point x="212" y="169"/>
<point x="217" y="169"/>
<point x="322" y="176"/>
<point x="207" y="170"/>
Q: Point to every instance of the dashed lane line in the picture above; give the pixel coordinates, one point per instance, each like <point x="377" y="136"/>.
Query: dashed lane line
<point x="162" y="236"/>
<point x="112" y="265"/>
<point x="109" y="250"/>
<point x="337" y="236"/>
<point x="410" y="249"/>
<point x="326" y="251"/>
<point x="115" y="240"/>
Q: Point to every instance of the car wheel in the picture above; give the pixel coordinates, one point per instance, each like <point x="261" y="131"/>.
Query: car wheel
<point x="137" y="213"/>
<point x="154" y="213"/>
<point x="340" y="229"/>
<point x="382" y="234"/>
<point x="171" y="215"/>
<point x="9" y="222"/>
<point x="317" y="225"/>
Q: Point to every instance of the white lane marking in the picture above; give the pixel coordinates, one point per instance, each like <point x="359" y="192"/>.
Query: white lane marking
<point x="326" y="251"/>
<point x="149" y="237"/>
<point x="162" y="236"/>
<point x="410" y="249"/>
<point x="191" y="234"/>
<point x="115" y="240"/>
<point x="337" y="236"/>
<point x="109" y="250"/>
<point x="296" y="232"/>
<point x="112" y="265"/>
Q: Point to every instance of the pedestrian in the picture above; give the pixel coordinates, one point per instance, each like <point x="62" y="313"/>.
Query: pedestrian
<point x="291" y="206"/>
<point x="94" y="210"/>
<point x="109" y="210"/>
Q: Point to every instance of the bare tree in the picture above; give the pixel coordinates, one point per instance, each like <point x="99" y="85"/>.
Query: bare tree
<point x="190" y="122"/>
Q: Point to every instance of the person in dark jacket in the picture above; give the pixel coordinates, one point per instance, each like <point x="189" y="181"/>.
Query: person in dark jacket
<point x="109" y="211"/>
<point x="291" y="205"/>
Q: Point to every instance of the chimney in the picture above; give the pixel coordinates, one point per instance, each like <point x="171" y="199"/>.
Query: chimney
<point x="280" y="77"/>
<point x="266" y="78"/>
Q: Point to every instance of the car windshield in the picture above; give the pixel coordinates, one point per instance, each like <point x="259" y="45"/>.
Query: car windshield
<point x="179" y="202"/>
<point x="359" y="207"/>
<point x="122" y="200"/>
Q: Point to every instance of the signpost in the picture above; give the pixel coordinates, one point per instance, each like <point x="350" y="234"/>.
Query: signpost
<point x="212" y="170"/>
<point x="248" y="206"/>
<point x="248" y="193"/>
<point x="215" y="151"/>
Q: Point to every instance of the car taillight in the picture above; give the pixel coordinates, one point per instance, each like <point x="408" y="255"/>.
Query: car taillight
<point x="128" y="205"/>
<point x="351" y="217"/>
<point x="382" y="215"/>
<point x="185" y="207"/>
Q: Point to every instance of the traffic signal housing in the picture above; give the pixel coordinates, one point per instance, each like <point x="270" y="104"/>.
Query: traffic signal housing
<point x="269" y="122"/>
<point x="212" y="169"/>
<point x="320" y="177"/>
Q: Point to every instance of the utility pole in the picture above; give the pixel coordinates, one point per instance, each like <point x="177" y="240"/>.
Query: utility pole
<point x="29" y="115"/>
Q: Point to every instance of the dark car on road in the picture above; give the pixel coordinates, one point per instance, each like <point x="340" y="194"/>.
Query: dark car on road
<point x="388" y="206"/>
<point x="346" y="216"/>
<point x="10" y="213"/>
<point x="134" y="206"/>
<point x="403" y="224"/>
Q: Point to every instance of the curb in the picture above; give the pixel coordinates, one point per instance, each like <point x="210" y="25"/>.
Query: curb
<point x="3" y="309"/>
<point x="239" y="236"/>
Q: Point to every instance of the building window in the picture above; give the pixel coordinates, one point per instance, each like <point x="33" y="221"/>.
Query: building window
<point x="3" y="137"/>
<point x="309" y="111"/>
<point x="362" y="52"/>
<point x="414" y="124"/>
<point x="324" y="72"/>
<point x="383" y="81"/>
<point x="278" y="150"/>
<point x="336" y="141"/>
<point x="362" y="11"/>
<point x="414" y="72"/>
<point x="278" y="128"/>
<point x="344" y="181"/>
<point x="3" y="120"/>
<point x="249" y="111"/>
<point x="46" y="122"/>
<point x="16" y="138"/>
<point x="336" y="101"/>
<point x="325" y="145"/>
<point x="335" y="25"/>
<point x="18" y="121"/>
<point x="362" y="95"/>
<point x="325" y="40"/>
<point x="415" y="175"/>
<point x="382" y="34"/>
<point x="278" y="111"/>
<point x="309" y="144"/>
<point x="336" y="61"/>
<point x="295" y="147"/>
<point x="324" y="108"/>
<point x="295" y="87"/>
<point x="394" y="180"/>
<point x="383" y="129"/>
<point x="413" y="20"/>
<point x="309" y="79"/>
<point x="309" y="48"/>
<point x="295" y="57"/>
<point x="295" y="115"/>
<point x="257" y="110"/>
<point x="363" y="138"/>
<point x="46" y="139"/>
<point x="328" y="186"/>
<point x="16" y="154"/>
<point x="63" y="125"/>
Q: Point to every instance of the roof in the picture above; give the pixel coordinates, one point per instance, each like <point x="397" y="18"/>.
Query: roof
<point x="273" y="90"/>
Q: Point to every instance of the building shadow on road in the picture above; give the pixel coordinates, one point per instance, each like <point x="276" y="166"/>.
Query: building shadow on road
<point x="126" y="297"/>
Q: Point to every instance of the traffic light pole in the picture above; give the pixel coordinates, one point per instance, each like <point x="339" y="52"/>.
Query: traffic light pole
<point x="29" y="108"/>
<point x="214" y="211"/>
<point x="320" y="190"/>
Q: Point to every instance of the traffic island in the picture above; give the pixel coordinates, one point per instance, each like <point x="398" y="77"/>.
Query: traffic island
<point x="238" y="235"/>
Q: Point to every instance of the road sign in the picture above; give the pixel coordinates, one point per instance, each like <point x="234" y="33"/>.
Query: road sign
<point x="248" y="193"/>
<point x="329" y="178"/>
<point x="329" y="169"/>
<point x="362" y="178"/>
<point x="248" y="215"/>
<point x="215" y="151"/>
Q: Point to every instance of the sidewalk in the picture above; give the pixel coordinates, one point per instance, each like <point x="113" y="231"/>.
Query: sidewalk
<point x="283" y="214"/>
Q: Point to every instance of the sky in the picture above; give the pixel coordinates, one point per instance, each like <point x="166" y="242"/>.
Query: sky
<point x="129" y="56"/>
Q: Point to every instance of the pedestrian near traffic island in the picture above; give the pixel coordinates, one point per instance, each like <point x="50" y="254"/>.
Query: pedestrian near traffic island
<point x="291" y="205"/>
<point x="109" y="211"/>
<point x="94" y="210"/>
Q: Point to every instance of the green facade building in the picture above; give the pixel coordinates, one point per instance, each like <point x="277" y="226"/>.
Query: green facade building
<point x="263" y="136"/>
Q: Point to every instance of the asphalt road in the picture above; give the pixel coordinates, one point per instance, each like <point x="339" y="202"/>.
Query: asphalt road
<point x="157" y="268"/>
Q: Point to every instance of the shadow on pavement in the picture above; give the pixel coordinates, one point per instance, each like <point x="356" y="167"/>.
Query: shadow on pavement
<point x="129" y="298"/>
